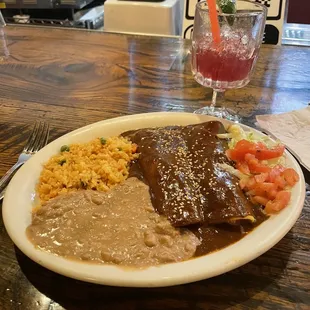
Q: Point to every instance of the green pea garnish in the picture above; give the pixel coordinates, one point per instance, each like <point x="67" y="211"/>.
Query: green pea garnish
<point x="103" y="141"/>
<point x="65" y="148"/>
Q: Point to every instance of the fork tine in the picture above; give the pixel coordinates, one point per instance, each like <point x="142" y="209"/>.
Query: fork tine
<point x="32" y="137"/>
<point x="36" y="137"/>
<point x="47" y="133"/>
<point x="40" y="136"/>
<point x="44" y="137"/>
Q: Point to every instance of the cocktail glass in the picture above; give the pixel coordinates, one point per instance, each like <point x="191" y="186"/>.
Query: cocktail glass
<point x="226" y="64"/>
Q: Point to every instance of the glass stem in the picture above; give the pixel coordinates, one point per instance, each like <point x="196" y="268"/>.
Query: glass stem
<point x="213" y="103"/>
<point x="2" y="22"/>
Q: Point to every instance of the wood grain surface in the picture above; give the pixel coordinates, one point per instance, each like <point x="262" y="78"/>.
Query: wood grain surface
<point x="72" y="78"/>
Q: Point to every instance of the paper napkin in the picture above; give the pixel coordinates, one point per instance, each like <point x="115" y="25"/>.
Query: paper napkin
<point x="293" y="129"/>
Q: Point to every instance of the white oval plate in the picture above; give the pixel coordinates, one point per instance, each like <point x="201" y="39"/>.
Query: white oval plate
<point x="20" y="192"/>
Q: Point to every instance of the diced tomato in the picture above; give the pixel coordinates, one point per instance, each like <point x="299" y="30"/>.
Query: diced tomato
<point x="260" y="200"/>
<point x="284" y="196"/>
<point x="273" y="174"/>
<point x="248" y="157"/>
<point x="273" y="206"/>
<point x="241" y="148"/>
<point x="263" y="189"/>
<point x="254" y="165"/>
<point x="243" y="167"/>
<point x="234" y="155"/>
<point x="259" y="150"/>
<point x="245" y="145"/>
<point x="290" y="176"/>
<point x="265" y="185"/>
<point x="280" y="202"/>
<point x="272" y="194"/>
<point x="259" y="168"/>
<point x="261" y="146"/>
<point x="261" y="178"/>
<point x="275" y="152"/>
<point x="280" y="182"/>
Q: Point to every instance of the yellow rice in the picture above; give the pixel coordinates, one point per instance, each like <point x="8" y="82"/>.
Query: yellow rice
<point x="91" y="165"/>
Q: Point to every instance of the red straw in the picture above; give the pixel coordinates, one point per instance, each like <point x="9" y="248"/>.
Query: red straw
<point x="215" y="26"/>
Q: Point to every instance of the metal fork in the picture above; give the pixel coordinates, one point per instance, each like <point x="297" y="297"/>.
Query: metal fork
<point x="37" y="139"/>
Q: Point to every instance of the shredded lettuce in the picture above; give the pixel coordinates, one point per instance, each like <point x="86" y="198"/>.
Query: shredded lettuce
<point x="236" y="133"/>
<point x="232" y="171"/>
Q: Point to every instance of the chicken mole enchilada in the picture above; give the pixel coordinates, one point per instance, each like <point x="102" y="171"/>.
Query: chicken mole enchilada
<point x="158" y="195"/>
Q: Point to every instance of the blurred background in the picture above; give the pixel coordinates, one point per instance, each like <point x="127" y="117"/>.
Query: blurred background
<point x="288" y="22"/>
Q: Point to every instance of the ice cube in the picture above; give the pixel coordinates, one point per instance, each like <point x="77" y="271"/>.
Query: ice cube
<point x="245" y="39"/>
<point x="226" y="31"/>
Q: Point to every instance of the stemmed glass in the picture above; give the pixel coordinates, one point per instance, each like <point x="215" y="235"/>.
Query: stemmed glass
<point x="4" y="52"/>
<point x="228" y="62"/>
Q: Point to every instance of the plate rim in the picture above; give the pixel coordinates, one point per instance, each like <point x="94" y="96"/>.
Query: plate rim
<point x="44" y="259"/>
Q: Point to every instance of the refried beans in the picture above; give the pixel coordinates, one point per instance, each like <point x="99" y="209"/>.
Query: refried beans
<point x="117" y="227"/>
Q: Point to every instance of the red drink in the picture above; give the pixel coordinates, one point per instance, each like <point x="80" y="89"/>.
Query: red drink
<point x="223" y="66"/>
<point x="226" y="62"/>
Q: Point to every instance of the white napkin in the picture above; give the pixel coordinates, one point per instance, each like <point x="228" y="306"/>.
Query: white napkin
<point x="293" y="129"/>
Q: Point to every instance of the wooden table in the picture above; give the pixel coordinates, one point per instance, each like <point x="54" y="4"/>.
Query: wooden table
<point x="72" y="78"/>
